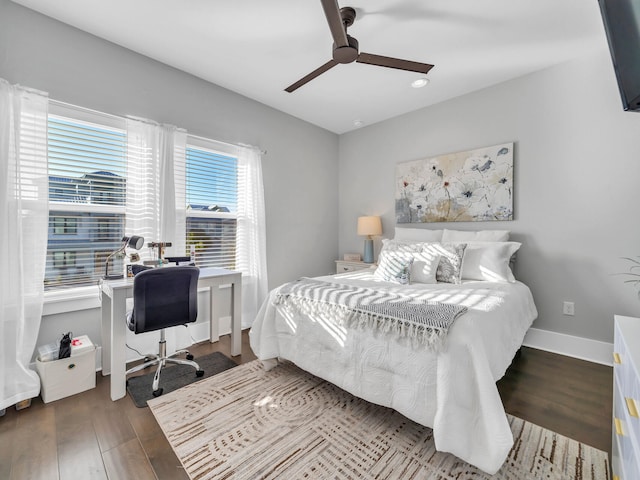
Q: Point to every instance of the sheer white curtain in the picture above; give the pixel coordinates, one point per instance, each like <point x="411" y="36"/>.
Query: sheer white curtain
<point x="173" y="207"/>
<point x="24" y="214"/>
<point x="251" y="245"/>
<point x="155" y="163"/>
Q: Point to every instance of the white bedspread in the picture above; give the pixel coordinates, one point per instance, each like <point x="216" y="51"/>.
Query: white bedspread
<point x="453" y="391"/>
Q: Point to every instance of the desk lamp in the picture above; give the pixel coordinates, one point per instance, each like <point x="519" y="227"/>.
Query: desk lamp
<point x="134" y="242"/>
<point x="369" y="226"/>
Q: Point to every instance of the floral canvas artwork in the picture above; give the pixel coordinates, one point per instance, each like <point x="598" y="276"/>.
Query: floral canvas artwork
<point x="471" y="186"/>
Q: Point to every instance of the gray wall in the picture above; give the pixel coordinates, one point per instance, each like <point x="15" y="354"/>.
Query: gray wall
<point x="576" y="163"/>
<point x="577" y="172"/>
<point x="300" y="167"/>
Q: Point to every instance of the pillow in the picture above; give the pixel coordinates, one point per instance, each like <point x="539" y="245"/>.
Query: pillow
<point x="477" y="236"/>
<point x="394" y="267"/>
<point x="489" y="261"/>
<point x="418" y="235"/>
<point x="424" y="267"/>
<point x="400" y="246"/>
<point x="425" y="263"/>
<point x="449" y="268"/>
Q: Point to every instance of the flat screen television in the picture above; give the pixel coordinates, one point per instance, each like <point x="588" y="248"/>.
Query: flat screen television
<point x="622" y="23"/>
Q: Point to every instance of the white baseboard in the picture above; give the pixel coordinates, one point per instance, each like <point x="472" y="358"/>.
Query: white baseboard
<point x="577" y="347"/>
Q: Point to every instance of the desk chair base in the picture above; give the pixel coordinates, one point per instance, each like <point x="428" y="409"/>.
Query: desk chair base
<point x="161" y="360"/>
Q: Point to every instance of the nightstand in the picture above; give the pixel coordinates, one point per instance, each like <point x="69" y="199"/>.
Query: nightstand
<point x="342" y="266"/>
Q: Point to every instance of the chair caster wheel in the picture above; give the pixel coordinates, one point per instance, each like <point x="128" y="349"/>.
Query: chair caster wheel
<point x="189" y="356"/>
<point x="199" y="373"/>
<point x="157" y="393"/>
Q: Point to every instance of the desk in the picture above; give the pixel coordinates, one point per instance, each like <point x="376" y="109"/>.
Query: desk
<point x="114" y="295"/>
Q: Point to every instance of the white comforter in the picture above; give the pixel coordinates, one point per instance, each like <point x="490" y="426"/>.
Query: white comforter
<point x="452" y="391"/>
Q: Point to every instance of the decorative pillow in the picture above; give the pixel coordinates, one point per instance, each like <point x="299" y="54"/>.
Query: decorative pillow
<point x="394" y="267"/>
<point x="425" y="263"/>
<point x="489" y="261"/>
<point x="450" y="266"/>
<point x="477" y="236"/>
<point x="417" y="235"/>
<point x="424" y="267"/>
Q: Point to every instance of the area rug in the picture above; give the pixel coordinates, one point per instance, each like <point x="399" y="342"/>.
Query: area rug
<point x="250" y="424"/>
<point x="173" y="377"/>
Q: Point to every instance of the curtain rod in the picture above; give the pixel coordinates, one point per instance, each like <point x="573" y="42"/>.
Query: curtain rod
<point x="118" y="117"/>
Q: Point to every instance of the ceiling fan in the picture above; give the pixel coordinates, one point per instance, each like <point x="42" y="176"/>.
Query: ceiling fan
<point x="345" y="47"/>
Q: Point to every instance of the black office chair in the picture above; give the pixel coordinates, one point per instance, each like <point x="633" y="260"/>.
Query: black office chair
<point x="162" y="298"/>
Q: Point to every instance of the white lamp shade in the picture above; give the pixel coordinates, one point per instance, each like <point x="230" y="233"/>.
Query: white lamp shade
<point x="369" y="226"/>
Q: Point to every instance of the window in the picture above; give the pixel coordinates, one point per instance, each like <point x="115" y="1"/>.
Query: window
<point x="211" y="193"/>
<point x="87" y="198"/>
<point x="87" y="184"/>
<point x="65" y="225"/>
<point x="107" y="225"/>
<point x="64" y="259"/>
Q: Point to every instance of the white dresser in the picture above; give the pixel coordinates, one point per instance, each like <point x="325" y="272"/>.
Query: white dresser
<point x="625" y="447"/>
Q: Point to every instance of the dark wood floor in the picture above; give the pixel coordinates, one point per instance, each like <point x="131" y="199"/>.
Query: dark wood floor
<point x="569" y="396"/>
<point x="88" y="436"/>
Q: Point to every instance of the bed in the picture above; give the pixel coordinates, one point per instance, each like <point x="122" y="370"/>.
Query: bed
<point x="448" y="384"/>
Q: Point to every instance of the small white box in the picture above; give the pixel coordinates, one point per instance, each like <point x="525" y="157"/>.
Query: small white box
<point x="48" y="352"/>
<point x="352" y="257"/>
<point x="80" y="345"/>
<point x="67" y="376"/>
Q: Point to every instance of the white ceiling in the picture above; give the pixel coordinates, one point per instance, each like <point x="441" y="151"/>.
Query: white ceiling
<point x="258" y="47"/>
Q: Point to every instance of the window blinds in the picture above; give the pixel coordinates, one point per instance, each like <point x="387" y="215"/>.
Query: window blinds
<point x="87" y="188"/>
<point x="211" y="196"/>
<point x="89" y="183"/>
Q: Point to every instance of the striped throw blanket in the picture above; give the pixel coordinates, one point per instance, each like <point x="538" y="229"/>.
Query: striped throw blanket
<point x="358" y="307"/>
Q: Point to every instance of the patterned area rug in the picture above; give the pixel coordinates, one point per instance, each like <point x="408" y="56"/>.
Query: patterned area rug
<point x="246" y="423"/>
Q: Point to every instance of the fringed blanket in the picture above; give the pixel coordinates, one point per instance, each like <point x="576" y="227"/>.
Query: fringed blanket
<point x="359" y="307"/>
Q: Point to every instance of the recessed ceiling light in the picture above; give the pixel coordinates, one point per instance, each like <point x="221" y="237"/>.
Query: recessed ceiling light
<point x="358" y="123"/>
<point x="420" y="82"/>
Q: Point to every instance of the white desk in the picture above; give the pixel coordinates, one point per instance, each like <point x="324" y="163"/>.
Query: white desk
<point x="114" y="295"/>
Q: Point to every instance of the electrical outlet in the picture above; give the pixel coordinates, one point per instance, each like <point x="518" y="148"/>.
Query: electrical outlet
<point x="569" y="308"/>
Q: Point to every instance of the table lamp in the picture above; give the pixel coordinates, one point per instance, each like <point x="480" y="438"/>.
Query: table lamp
<point x="133" y="241"/>
<point x="369" y="226"/>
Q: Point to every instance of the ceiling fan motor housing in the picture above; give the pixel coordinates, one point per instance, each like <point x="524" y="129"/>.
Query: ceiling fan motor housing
<point x="348" y="53"/>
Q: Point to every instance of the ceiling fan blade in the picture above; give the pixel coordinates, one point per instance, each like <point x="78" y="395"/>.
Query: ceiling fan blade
<point x="391" y="62"/>
<point x="311" y="76"/>
<point x="334" y="19"/>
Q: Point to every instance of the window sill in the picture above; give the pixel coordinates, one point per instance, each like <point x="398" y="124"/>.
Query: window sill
<point x="72" y="300"/>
